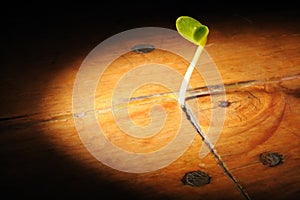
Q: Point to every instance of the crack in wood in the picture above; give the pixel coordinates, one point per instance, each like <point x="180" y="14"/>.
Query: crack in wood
<point x="216" y="89"/>
<point x="13" y="122"/>
<point x="205" y="139"/>
<point x="2" y="119"/>
<point x="28" y="121"/>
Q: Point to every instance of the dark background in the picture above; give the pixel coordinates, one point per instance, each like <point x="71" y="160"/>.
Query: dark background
<point x="35" y="16"/>
<point x="29" y="21"/>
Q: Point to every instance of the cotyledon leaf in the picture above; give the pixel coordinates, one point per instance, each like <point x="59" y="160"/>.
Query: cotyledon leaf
<point x="192" y="30"/>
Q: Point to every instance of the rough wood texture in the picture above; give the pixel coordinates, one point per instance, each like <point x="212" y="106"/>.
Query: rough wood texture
<point x="43" y="155"/>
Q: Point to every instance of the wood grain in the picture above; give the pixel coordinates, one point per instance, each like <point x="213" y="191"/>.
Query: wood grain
<point x="43" y="155"/>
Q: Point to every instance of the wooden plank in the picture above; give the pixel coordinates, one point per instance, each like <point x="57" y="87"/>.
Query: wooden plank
<point x="44" y="155"/>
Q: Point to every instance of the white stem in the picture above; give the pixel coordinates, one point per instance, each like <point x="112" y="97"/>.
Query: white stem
<point x="188" y="74"/>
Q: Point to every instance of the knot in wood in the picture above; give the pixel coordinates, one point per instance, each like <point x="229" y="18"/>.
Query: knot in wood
<point x="271" y="159"/>
<point x="196" y="178"/>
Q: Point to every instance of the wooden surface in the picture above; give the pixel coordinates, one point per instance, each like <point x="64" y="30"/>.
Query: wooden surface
<point x="43" y="155"/>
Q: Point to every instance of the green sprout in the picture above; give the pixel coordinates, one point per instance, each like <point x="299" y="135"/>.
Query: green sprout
<point x="192" y="30"/>
<point x="195" y="32"/>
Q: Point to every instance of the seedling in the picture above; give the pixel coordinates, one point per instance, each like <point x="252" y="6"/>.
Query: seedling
<point x="195" y="32"/>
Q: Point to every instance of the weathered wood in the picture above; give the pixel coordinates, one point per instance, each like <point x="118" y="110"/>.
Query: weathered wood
<point x="42" y="153"/>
